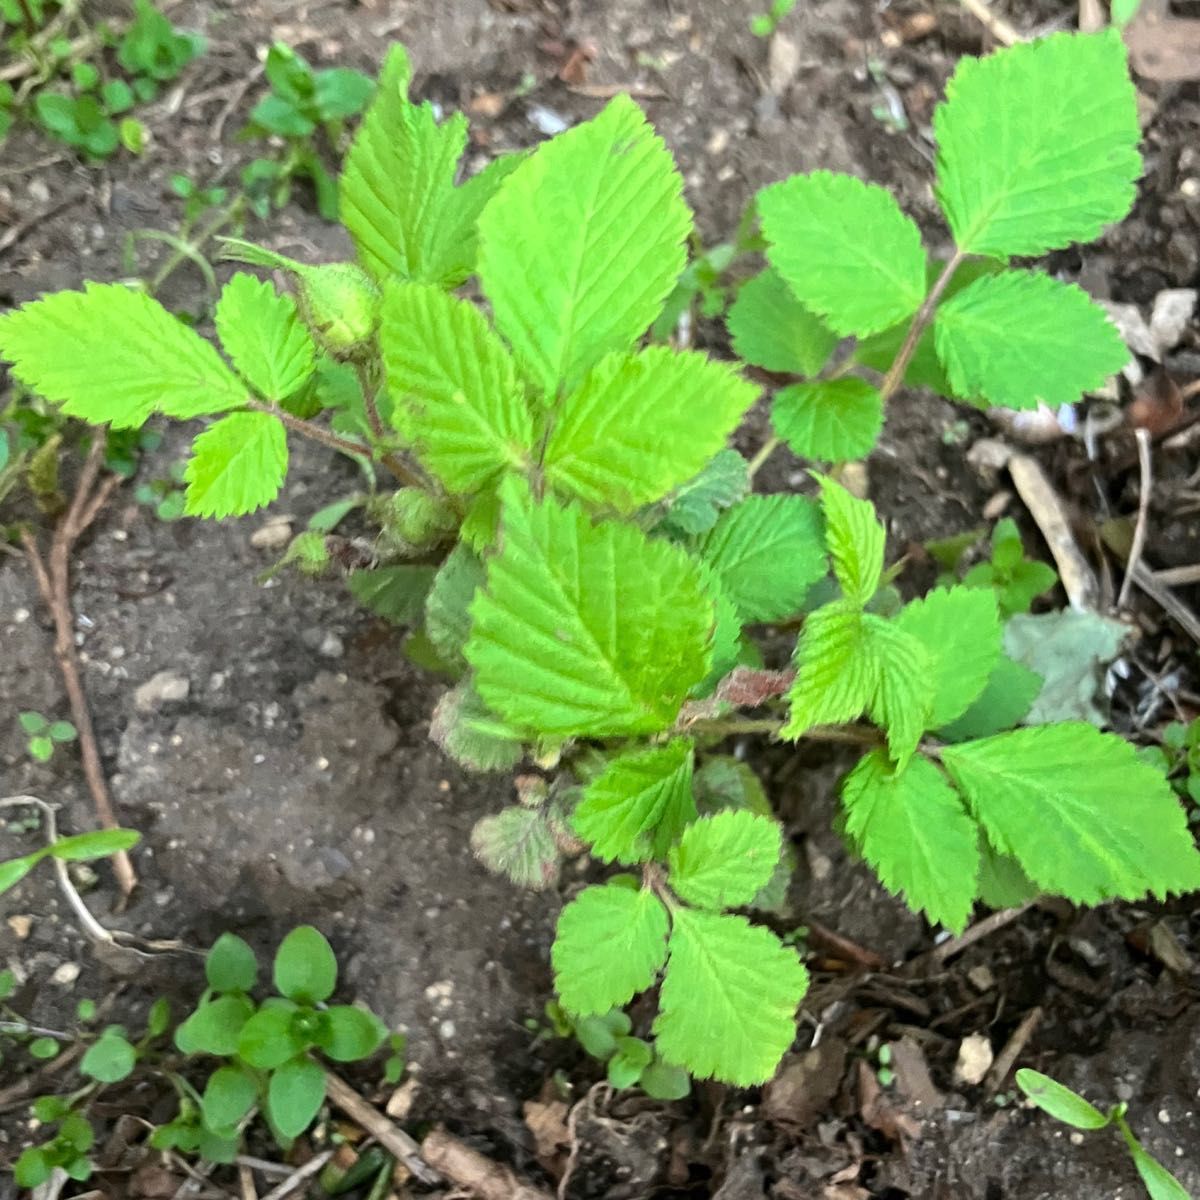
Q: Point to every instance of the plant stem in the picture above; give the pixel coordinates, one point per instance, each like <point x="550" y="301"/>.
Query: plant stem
<point x="765" y="451"/>
<point x="895" y="374"/>
<point x="855" y="735"/>
<point x="192" y="246"/>
<point x="307" y="429"/>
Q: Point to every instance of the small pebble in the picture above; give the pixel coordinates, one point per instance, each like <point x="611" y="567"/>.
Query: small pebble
<point x="66" y="975"/>
<point x="167" y="687"/>
<point x="20" y="925"/>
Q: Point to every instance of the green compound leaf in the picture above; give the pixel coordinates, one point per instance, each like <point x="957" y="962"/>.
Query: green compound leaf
<point x="1001" y="341"/>
<point x="960" y="630"/>
<point x="642" y="424"/>
<point x="228" y="1096"/>
<point x="1059" y="1101"/>
<point x="456" y="394"/>
<point x="856" y="542"/>
<point x="639" y="804"/>
<point x="1006" y="698"/>
<point x="128" y="358"/>
<point x="110" y="1058"/>
<point x="845" y="249"/>
<point x="587" y="629"/>
<point x="1078" y="809"/>
<point x="611" y="942"/>
<point x="230" y="965"/>
<point x="447" y="608"/>
<point x="237" y="466"/>
<point x="295" y="1095"/>
<point x="582" y="244"/>
<point x="398" y="199"/>
<point x="1037" y="145"/>
<point x="767" y="552"/>
<point x="834" y="420"/>
<point x="305" y="969"/>
<point x="724" y="861"/>
<point x="770" y="328"/>
<point x="913" y="830"/>
<point x="693" y="508"/>
<point x="728" y="1001"/>
<point x="263" y="335"/>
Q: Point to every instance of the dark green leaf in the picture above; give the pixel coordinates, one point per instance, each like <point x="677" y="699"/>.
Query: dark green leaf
<point x="351" y="1033"/>
<point x="269" y="1038"/>
<point x="396" y="593"/>
<point x="228" y="1096"/>
<point x="295" y="1094"/>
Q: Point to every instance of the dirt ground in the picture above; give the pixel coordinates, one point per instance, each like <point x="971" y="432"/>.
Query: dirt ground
<point x="296" y="781"/>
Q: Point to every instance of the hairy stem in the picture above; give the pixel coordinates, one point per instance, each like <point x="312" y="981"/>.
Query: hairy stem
<point x="765" y="451"/>
<point x="895" y="374"/>
<point x="856" y="735"/>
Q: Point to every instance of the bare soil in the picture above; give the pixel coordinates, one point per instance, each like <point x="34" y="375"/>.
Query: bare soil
<point x="296" y="782"/>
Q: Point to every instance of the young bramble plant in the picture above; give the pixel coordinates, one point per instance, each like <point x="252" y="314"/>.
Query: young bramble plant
<point x="1072" y="1109"/>
<point x="577" y="539"/>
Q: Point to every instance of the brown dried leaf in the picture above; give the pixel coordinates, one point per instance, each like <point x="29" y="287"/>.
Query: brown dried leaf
<point x="805" y="1084"/>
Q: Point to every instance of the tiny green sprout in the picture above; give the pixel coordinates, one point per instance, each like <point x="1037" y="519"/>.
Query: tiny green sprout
<point x="68" y="1150"/>
<point x="80" y="848"/>
<point x="110" y="1058"/>
<point x="763" y="25"/>
<point x="45" y="734"/>
<point x="1068" y="1106"/>
<point x="1016" y="580"/>
<point x="340" y="301"/>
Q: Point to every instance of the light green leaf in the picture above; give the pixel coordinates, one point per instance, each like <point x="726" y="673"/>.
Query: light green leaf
<point x="1059" y="1101"/>
<point x="905" y="691"/>
<point x="912" y="828"/>
<point x="960" y="630"/>
<point x="447" y="615"/>
<point x="611" y="942"/>
<point x="110" y="1058"/>
<point x="1037" y="145"/>
<point x="625" y="1067"/>
<point x="770" y="328"/>
<point x="262" y="333"/>
<point x="305" y="969"/>
<point x="582" y="244"/>
<point x="351" y="1033"/>
<point x="694" y="507"/>
<point x="845" y="249"/>
<point x="295" y="1094"/>
<point x="110" y="355"/>
<point x="398" y="199"/>
<point x="100" y="843"/>
<point x="662" y="1081"/>
<point x="228" y="1096"/>
<point x="456" y="394"/>
<point x="230" y="965"/>
<point x="1081" y="813"/>
<point x="587" y="629"/>
<point x="833" y="420"/>
<point x="1160" y="1183"/>
<point x="1010" y="690"/>
<point x="642" y="424"/>
<point x="269" y="1038"/>
<point x="237" y="466"/>
<point x="215" y="1027"/>
<point x="836" y="674"/>
<point x="1004" y="340"/>
<point x="725" y="860"/>
<point x="728" y="1001"/>
<point x="856" y="541"/>
<point x="767" y="552"/>
<point x="638" y="805"/>
<point x="395" y="593"/>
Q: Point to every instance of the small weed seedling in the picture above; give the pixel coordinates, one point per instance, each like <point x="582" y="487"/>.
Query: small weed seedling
<point x="1072" y="1109"/>
<point x="45" y="734"/>
<point x="568" y="525"/>
<point x="764" y="24"/>
<point x="83" y="846"/>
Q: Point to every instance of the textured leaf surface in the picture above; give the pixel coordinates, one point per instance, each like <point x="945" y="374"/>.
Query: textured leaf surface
<point x="1006" y="698"/>
<point x="394" y="593"/>
<point x="639" y="804"/>
<point x="587" y="629"/>
<point x="582" y="244"/>
<point x="1037" y="145"/>
<point x="447" y="608"/>
<point x="913" y="830"/>
<point x="728" y="1003"/>
<point x="611" y="942"/>
<point x="641" y="424"/>
<point x="770" y="328"/>
<point x="1020" y="337"/>
<point x="398" y="199"/>
<point x="113" y="356"/>
<point x="262" y="333"/>
<point x="723" y="861"/>
<point x="467" y="730"/>
<point x="456" y="394"/>
<point x="836" y="675"/>
<point x="832" y="420"/>
<point x="905" y="689"/>
<point x="960" y="630"/>
<point x="518" y="842"/>
<point x="856" y="541"/>
<point x="845" y="249"/>
<point x="1084" y="816"/>
<point x="237" y="466"/>
<point x="695" y="505"/>
<point x="767" y="552"/>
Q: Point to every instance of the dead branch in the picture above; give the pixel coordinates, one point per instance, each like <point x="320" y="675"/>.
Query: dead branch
<point x="471" y="1170"/>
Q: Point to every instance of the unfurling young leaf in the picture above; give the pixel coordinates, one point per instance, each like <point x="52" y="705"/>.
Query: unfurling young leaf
<point x="237" y="466"/>
<point x="587" y="629"/>
<point x="262" y="333"/>
<point x="856" y="542"/>
<point x="518" y="842"/>
<point x="832" y="421"/>
<point x="639" y="804"/>
<point x="582" y="244"/>
<point x="724" y="861"/>
<point x="770" y="328"/>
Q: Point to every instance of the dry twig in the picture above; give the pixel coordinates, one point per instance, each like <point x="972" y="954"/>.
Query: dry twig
<point x="998" y="27"/>
<point x="1013" y="1047"/>
<point x="981" y="929"/>
<point x="1139" y="530"/>
<point x="471" y="1170"/>
<point x="300" y="1176"/>
<point x="53" y="575"/>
